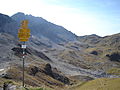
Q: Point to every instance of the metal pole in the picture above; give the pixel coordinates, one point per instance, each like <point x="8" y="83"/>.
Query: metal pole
<point x="23" y="63"/>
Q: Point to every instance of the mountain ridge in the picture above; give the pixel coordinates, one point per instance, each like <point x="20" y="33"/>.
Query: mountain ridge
<point x="45" y="28"/>
<point x="77" y="60"/>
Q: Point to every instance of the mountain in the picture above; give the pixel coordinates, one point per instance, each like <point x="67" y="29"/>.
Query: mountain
<point x="105" y="47"/>
<point x="42" y="28"/>
<point x="55" y="57"/>
<point x="91" y="39"/>
<point x="4" y="19"/>
<point x="8" y="25"/>
<point x="112" y="41"/>
<point x="45" y="29"/>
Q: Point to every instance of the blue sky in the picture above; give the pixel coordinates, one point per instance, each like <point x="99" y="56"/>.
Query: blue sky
<point x="82" y="17"/>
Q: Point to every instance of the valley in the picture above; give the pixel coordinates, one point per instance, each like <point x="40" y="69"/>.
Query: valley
<point x="57" y="59"/>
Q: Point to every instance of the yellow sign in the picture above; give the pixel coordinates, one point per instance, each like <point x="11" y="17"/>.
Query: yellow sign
<point x="24" y="24"/>
<point x="24" y="32"/>
<point x="23" y="40"/>
<point x="23" y="35"/>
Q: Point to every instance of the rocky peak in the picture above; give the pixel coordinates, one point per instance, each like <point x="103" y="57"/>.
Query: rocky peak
<point x="4" y="19"/>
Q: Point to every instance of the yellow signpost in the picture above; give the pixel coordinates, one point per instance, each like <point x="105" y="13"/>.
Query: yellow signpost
<point x="24" y="32"/>
<point x="24" y="35"/>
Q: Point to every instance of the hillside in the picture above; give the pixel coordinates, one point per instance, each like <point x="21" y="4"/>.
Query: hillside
<point x="38" y="75"/>
<point x="8" y="25"/>
<point x="107" y="47"/>
<point x="91" y="39"/>
<point x="54" y="57"/>
<point x="99" y="84"/>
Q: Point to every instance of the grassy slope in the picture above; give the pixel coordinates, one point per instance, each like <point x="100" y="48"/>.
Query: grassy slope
<point x="18" y="84"/>
<point x="100" y="84"/>
<point x="107" y="45"/>
<point x="37" y="88"/>
<point x="114" y="71"/>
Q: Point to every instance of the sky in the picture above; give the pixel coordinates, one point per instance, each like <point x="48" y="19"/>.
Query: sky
<point x="82" y="17"/>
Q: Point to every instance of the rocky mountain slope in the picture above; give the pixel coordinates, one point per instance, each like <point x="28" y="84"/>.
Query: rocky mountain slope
<point x="42" y="28"/>
<point x="8" y="25"/>
<point x="105" y="47"/>
<point x="56" y="54"/>
<point x="91" y="39"/>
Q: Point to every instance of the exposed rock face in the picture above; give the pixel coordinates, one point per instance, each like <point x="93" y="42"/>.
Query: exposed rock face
<point x="34" y="70"/>
<point x="7" y="76"/>
<point x="9" y="86"/>
<point x="94" y="52"/>
<point x="4" y="19"/>
<point x="61" y="78"/>
<point x="48" y="71"/>
<point x="43" y="56"/>
<point x="18" y="52"/>
<point x="114" y="57"/>
<point x="46" y="29"/>
<point x="8" y="25"/>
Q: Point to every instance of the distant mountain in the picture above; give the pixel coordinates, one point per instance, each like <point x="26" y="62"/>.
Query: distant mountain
<point x="4" y="19"/>
<point x="112" y="41"/>
<point x="91" y="39"/>
<point x="51" y="64"/>
<point x="8" y="25"/>
<point x="42" y="28"/>
<point x="108" y="46"/>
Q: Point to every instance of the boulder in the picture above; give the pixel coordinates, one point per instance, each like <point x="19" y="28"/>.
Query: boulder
<point x="33" y="70"/>
<point x="9" y="86"/>
<point x="57" y="76"/>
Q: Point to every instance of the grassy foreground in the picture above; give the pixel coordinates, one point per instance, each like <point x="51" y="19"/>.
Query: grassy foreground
<point x="99" y="84"/>
<point x="37" y="88"/>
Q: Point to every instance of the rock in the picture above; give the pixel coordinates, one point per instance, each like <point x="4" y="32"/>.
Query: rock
<point x="59" y="77"/>
<point x="34" y="70"/>
<point x="6" y="75"/>
<point x="48" y="70"/>
<point x="114" y="57"/>
<point x="94" y="53"/>
<point x="42" y="56"/>
<point x="9" y="86"/>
